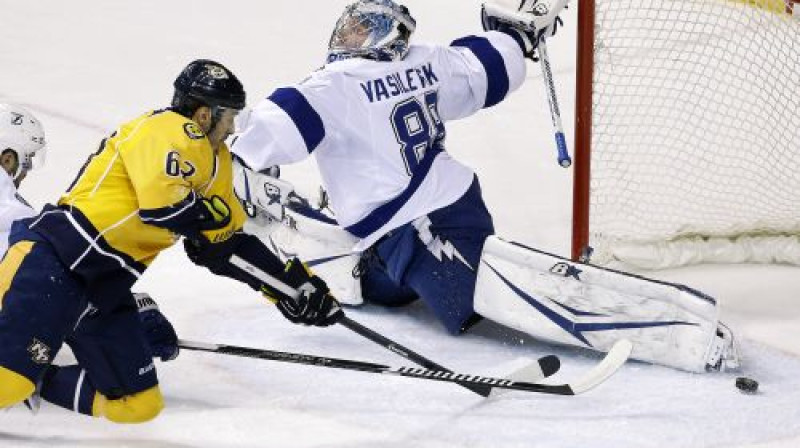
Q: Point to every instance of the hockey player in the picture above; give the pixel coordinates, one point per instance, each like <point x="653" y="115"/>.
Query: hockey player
<point x="21" y="139"/>
<point x="374" y="117"/>
<point x="68" y="272"/>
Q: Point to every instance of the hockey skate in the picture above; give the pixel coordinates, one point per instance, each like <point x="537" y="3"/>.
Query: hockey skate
<point x="34" y="403"/>
<point x="724" y="351"/>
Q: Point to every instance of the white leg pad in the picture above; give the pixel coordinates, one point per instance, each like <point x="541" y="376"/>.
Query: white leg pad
<point x="326" y="248"/>
<point x="578" y="304"/>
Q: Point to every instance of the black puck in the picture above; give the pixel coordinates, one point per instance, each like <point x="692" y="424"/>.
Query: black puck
<point x="747" y="385"/>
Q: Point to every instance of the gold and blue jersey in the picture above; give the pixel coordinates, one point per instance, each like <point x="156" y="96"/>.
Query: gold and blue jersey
<point x="135" y="196"/>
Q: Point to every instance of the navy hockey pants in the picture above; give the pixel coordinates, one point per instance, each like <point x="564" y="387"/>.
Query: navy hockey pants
<point x="435" y="258"/>
<point x="43" y="305"/>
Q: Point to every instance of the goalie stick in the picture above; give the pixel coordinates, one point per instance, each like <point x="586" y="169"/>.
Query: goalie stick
<point x="555" y="113"/>
<point x="600" y="373"/>
<point x="480" y="389"/>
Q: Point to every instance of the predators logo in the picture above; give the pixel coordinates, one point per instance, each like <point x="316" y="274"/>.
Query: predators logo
<point x="193" y="131"/>
<point x="40" y="352"/>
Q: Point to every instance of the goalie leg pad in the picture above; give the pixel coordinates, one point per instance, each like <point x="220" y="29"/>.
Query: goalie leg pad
<point x="325" y="247"/>
<point x="577" y="304"/>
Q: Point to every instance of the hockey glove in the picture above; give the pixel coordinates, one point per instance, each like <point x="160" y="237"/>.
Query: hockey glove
<point x="529" y="23"/>
<point x="313" y="306"/>
<point x="159" y="332"/>
<point x="215" y="213"/>
<point x="261" y="193"/>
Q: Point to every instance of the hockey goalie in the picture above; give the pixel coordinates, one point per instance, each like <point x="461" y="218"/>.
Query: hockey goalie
<point x="410" y="220"/>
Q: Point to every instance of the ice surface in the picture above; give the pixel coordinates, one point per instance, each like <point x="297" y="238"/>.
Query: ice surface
<point x="84" y="66"/>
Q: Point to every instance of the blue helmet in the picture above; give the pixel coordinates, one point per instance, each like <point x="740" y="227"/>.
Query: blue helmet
<point x="372" y="29"/>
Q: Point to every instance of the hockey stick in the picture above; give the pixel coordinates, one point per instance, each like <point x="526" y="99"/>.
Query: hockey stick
<point x="555" y="112"/>
<point x="542" y="368"/>
<point x="547" y="367"/>
<point x="605" y="369"/>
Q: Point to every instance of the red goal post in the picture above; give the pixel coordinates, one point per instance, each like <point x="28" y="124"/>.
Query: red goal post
<point x="687" y="132"/>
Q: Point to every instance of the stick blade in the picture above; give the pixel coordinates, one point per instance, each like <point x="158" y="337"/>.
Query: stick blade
<point x="613" y="360"/>
<point x="531" y="373"/>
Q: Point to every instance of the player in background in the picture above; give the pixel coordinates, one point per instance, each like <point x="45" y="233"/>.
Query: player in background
<point x="68" y="273"/>
<point x="21" y="141"/>
<point x="374" y="118"/>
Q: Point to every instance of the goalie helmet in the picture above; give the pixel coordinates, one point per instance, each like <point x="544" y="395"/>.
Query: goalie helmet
<point x="22" y="133"/>
<point x="207" y="83"/>
<point x="372" y="29"/>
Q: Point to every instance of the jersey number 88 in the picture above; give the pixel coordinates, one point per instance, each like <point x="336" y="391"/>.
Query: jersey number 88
<point x="417" y="128"/>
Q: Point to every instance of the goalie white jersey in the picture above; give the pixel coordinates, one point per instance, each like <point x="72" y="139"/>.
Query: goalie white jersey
<point x="377" y="127"/>
<point x="12" y="208"/>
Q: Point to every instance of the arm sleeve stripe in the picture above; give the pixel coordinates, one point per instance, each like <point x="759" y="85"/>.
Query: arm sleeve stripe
<point x="383" y="214"/>
<point x="493" y="64"/>
<point x="168" y="213"/>
<point x="307" y="120"/>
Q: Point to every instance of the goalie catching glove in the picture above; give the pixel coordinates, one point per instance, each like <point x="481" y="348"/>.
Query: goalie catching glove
<point x="527" y="21"/>
<point x="314" y="304"/>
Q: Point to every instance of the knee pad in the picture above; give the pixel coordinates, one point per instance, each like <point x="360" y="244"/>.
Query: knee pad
<point x="137" y="408"/>
<point x="14" y="387"/>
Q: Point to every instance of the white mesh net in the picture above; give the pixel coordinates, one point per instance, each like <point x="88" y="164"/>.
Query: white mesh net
<point x="696" y="131"/>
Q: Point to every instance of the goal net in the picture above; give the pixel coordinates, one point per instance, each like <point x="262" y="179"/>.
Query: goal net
<point x="688" y="131"/>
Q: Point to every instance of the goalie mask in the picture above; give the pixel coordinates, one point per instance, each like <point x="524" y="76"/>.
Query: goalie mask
<point x="372" y="29"/>
<point x="22" y="133"/>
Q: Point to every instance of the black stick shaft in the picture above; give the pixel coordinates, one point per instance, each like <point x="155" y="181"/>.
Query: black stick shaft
<point x="407" y="353"/>
<point x="354" y="326"/>
<point x="347" y="364"/>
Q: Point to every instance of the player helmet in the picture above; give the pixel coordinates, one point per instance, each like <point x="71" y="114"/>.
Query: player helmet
<point x="207" y="83"/>
<point x="372" y="29"/>
<point x="22" y="133"/>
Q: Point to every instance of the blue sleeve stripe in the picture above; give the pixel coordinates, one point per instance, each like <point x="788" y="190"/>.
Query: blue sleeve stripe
<point x="307" y="120"/>
<point x="383" y="214"/>
<point x="496" y="73"/>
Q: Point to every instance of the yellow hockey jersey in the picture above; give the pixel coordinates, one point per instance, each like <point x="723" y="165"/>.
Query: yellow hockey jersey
<point x="132" y="197"/>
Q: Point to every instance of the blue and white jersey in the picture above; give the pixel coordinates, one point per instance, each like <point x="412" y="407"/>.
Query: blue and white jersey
<point x="12" y="208"/>
<point x="377" y="128"/>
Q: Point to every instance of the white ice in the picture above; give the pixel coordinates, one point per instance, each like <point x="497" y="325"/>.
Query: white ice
<point x="85" y="66"/>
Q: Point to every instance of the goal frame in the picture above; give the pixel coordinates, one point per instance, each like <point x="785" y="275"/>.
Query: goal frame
<point x="585" y="63"/>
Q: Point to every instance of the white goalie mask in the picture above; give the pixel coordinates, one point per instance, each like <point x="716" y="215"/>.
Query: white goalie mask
<point x="22" y="133"/>
<point x="372" y="29"/>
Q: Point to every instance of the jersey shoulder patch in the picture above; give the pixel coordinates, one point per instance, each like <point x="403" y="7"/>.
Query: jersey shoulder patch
<point x="193" y="131"/>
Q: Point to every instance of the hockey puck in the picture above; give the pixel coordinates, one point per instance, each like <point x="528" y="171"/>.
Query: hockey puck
<point x="747" y="385"/>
